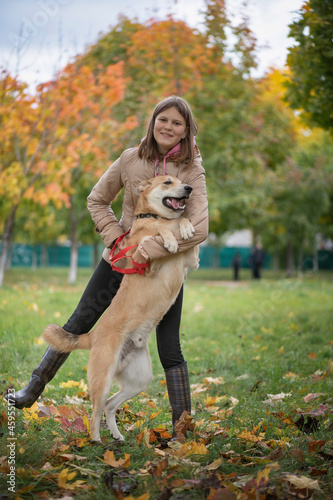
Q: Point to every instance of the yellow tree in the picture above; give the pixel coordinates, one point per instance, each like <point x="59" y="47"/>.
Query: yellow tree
<point x="26" y="128"/>
<point x="86" y="130"/>
<point x="45" y="137"/>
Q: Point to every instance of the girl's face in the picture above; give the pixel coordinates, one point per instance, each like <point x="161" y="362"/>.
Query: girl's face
<point x="169" y="129"/>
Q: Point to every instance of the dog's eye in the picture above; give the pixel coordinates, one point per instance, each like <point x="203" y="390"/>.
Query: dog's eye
<point x="167" y="182"/>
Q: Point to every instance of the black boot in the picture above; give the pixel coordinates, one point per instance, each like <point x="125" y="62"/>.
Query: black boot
<point x="179" y="391"/>
<point x="42" y="374"/>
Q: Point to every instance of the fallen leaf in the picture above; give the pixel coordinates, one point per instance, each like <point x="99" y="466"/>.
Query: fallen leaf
<point x="273" y="398"/>
<point x="302" y="482"/>
<point x="110" y="459"/>
<point x="214" y="465"/>
<point x="190" y="448"/>
<point x="210" y="380"/>
<point x="313" y="395"/>
<point x="182" y="426"/>
<point x="71" y="456"/>
<point x="66" y="476"/>
<point x="248" y="436"/>
<point x="262" y="475"/>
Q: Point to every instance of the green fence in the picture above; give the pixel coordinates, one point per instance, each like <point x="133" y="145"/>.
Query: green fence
<point x="38" y="255"/>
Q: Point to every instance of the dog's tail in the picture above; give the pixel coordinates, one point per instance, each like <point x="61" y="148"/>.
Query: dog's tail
<point x="64" y="341"/>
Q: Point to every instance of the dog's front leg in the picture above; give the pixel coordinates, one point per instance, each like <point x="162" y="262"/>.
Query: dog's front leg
<point x="186" y="229"/>
<point x="170" y="242"/>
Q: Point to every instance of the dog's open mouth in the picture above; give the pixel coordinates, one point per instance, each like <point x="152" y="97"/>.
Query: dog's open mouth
<point x="176" y="204"/>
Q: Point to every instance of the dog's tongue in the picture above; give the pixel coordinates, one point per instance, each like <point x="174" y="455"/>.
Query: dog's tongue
<point x="175" y="203"/>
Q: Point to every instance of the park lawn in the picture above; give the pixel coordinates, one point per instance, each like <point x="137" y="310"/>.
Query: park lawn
<point x="260" y="358"/>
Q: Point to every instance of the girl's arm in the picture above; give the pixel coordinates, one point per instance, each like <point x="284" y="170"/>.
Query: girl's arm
<point x="99" y="200"/>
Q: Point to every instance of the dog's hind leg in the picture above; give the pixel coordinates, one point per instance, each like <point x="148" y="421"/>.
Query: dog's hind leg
<point x="133" y="379"/>
<point x="100" y="376"/>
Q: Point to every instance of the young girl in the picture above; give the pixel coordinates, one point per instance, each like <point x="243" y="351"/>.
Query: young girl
<point x="168" y="149"/>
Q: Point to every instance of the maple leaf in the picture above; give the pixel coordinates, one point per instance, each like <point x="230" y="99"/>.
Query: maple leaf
<point x="210" y="380"/>
<point x="110" y="459"/>
<point x="66" y="476"/>
<point x="190" y="448"/>
<point x="249" y="436"/>
<point x="182" y="426"/>
<point x="302" y="482"/>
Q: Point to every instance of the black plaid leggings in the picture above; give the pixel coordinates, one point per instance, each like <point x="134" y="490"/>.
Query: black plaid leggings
<point x="96" y="298"/>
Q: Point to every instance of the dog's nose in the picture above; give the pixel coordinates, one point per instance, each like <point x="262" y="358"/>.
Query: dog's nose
<point x="188" y="189"/>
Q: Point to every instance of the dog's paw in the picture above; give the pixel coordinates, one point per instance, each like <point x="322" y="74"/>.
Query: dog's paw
<point x="171" y="244"/>
<point x="117" y="436"/>
<point x="186" y="229"/>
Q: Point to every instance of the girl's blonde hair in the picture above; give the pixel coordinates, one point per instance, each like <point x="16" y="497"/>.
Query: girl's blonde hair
<point x="148" y="148"/>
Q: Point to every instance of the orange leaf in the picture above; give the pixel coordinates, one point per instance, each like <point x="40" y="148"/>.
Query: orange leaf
<point x="110" y="459"/>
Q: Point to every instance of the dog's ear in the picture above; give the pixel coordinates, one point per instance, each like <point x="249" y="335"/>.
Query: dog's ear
<point x="142" y="186"/>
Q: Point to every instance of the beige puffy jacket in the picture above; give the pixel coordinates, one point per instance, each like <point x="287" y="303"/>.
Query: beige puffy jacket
<point x="127" y="172"/>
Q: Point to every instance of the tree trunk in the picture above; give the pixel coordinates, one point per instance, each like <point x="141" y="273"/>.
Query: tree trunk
<point x="315" y="257"/>
<point x="74" y="249"/>
<point x="7" y="236"/>
<point x="9" y="260"/>
<point x="44" y="258"/>
<point x="290" y="260"/>
<point x="276" y="259"/>
<point x="300" y="260"/>
<point x="34" y="258"/>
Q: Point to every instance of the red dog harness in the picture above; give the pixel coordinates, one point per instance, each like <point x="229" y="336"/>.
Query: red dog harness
<point x="138" y="268"/>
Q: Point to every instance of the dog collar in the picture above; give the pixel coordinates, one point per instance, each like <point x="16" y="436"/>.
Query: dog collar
<point x="145" y="216"/>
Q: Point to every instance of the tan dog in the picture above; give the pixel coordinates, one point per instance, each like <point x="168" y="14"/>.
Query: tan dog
<point x="119" y="341"/>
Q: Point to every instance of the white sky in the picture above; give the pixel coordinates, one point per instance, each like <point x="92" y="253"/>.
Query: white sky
<point x="56" y="30"/>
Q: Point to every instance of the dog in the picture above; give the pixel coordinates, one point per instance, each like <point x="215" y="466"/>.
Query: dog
<point x="118" y="343"/>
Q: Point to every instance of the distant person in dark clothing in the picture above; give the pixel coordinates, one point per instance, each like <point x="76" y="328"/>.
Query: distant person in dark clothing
<point x="236" y="265"/>
<point x="257" y="260"/>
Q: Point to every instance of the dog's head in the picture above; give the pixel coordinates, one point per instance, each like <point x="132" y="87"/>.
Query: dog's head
<point x="163" y="195"/>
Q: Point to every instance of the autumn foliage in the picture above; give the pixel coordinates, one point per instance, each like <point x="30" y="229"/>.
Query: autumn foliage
<point x="56" y="141"/>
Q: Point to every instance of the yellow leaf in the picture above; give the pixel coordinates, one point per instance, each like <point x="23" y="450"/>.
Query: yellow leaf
<point x="63" y="477"/>
<point x="263" y="474"/>
<point x="214" y="465"/>
<point x="290" y="375"/>
<point x="210" y="401"/>
<point x="86" y="422"/>
<point x="248" y="436"/>
<point x="153" y="415"/>
<point x="273" y="466"/>
<point x="265" y="330"/>
<point x="31" y="413"/>
<point x="110" y="459"/>
<point x="190" y="448"/>
<point x="70" y="384"/>
<point x="281" y="350"/>
<point x="39" y="341"/>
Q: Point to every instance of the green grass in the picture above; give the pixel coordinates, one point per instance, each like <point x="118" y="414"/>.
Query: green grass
<point x="269" y="337"/>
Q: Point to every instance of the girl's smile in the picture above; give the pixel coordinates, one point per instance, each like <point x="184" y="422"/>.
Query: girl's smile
<point x="169" y="129"/>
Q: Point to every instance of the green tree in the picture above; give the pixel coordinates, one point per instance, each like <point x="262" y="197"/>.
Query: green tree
<point x="310" y="88"/>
